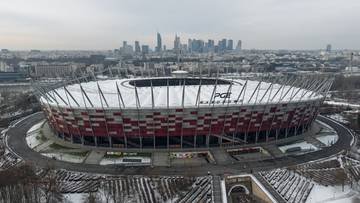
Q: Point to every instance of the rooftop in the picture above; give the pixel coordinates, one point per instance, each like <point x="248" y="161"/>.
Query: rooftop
<point x="174" y="92"/>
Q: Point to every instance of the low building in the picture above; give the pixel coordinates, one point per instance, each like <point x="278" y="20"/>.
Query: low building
<point x="53" y="70"/>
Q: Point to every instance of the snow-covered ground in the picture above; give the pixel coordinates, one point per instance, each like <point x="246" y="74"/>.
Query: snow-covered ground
<point x="339" y="118"/>
<point x="328" y="140"/>
<point x="33" y="136"/>
<point x="120" y="160"/>
<point x="335" y="194"/>
<point x="303" y="145"/>
<point x="35" y="127"/>
<point x="33" y="140"/>
<point x="325" y="127"/>
<point x="74" y="197"/>
<point x="341" y="103"/>
<point x="66" y="157"/>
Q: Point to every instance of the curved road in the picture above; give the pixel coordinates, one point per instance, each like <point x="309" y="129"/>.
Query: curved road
<point x="17" y="143"/>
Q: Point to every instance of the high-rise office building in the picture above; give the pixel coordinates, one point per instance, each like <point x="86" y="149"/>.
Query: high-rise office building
<point x="238" y="46"/>
<point x="197" y="45"/>
<point x="159" y="43"/>
<point x="222" y="45"/>
<point x="328" y="48"/>
<point x="184" y="48"/>
<point x="126" y="49"/>
<point x="137" y="47"/>
<point x="230" y="44"/>
<point x="189" y="45"/>
<point x="177" y="44"/>
<point x="145" y="49"/>
<point x="124" y="43"/>
<point x="210" y="45"/>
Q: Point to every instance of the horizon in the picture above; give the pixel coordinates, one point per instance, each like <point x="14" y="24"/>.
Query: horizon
<point x="152" y="48"/>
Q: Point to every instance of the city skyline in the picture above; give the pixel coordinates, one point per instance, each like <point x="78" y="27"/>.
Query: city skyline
<point x="192" y="45"/>
<point x="84" y="25"/>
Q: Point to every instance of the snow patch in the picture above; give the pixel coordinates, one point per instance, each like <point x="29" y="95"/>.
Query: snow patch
<point x="328" y="140"/>
<point x="333" y="194"/>
<point x="303" y="145"/>
<point x="65" y="157"/>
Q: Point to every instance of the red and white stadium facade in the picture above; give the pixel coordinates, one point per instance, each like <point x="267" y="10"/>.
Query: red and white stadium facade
<point x="182" y="112"/>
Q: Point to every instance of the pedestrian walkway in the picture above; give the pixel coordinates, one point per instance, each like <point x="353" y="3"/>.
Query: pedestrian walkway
<point x="273" y="150"/>
<point x="94" y="157"/>
<point x="160" y="159"/>
<point x="270" y="189"/>
<point x="43" y="146"/>
<point x="221" y="156"/>
<point x="217" y="189"/>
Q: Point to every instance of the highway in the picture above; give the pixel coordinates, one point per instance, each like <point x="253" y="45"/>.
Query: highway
<point x="17" y="144"/>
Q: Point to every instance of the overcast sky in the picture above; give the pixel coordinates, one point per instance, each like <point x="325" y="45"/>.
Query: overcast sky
<point x="104" y="24"/>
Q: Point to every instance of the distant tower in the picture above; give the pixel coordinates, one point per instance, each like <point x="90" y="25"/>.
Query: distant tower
<point x="238" y="46"/>
<point x="145" y="49"/>
<point x="177" y="44"/>
<point x="190" y="45"/>
<point x="137" y="47"/>
<point x="222" y="45"/>
<point x="211" y="45"/>
<point x="159" y="43"/>
<point x="230" y="45"/>
<point x="328" y="48"/>
<point x="351" y="61"/>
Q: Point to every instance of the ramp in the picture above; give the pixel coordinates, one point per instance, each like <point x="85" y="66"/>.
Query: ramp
<point x="94" y="157"/>
<point x="221" y="156"/>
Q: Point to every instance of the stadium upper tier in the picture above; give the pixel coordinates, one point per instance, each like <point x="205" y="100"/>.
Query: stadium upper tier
<point x="174" y="92"/>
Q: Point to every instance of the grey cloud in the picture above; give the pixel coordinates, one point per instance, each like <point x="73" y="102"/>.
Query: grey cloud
<point x="262" y="24"/>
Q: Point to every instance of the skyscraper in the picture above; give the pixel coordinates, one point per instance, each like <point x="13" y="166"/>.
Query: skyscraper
<point x="238" y="46"/>
<point x="126" y="49"/>
<point x="189" y="45"/>
<point x="328" y="48"/>
<point x="230" y="45"/>
<point x="137" y="47"/>
<point x="197" y="45"/>
<point x="145" y="49"/>
<point x="211" y="44"/>
<point x="177" y="44"/>
<point x="159" y="43"/>
<point x="222" y="45"/>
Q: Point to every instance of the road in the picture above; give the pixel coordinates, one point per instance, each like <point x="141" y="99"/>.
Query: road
<point x="17" y="143"/>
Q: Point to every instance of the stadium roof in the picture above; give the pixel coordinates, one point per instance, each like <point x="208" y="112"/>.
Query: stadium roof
<point x="163" y="92"/>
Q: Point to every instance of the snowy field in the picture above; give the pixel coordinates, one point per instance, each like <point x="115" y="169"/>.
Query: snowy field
<point x="322" y="194"/>
<point x="120" y="160"/>
<point x="303" y="145"/>
<point x="66" y="157"/>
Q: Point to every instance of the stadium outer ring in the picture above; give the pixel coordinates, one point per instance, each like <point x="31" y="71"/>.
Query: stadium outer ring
<point x="16" y="143"/>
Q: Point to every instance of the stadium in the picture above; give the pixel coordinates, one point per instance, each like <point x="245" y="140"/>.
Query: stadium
<point x="181" y="111"/>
